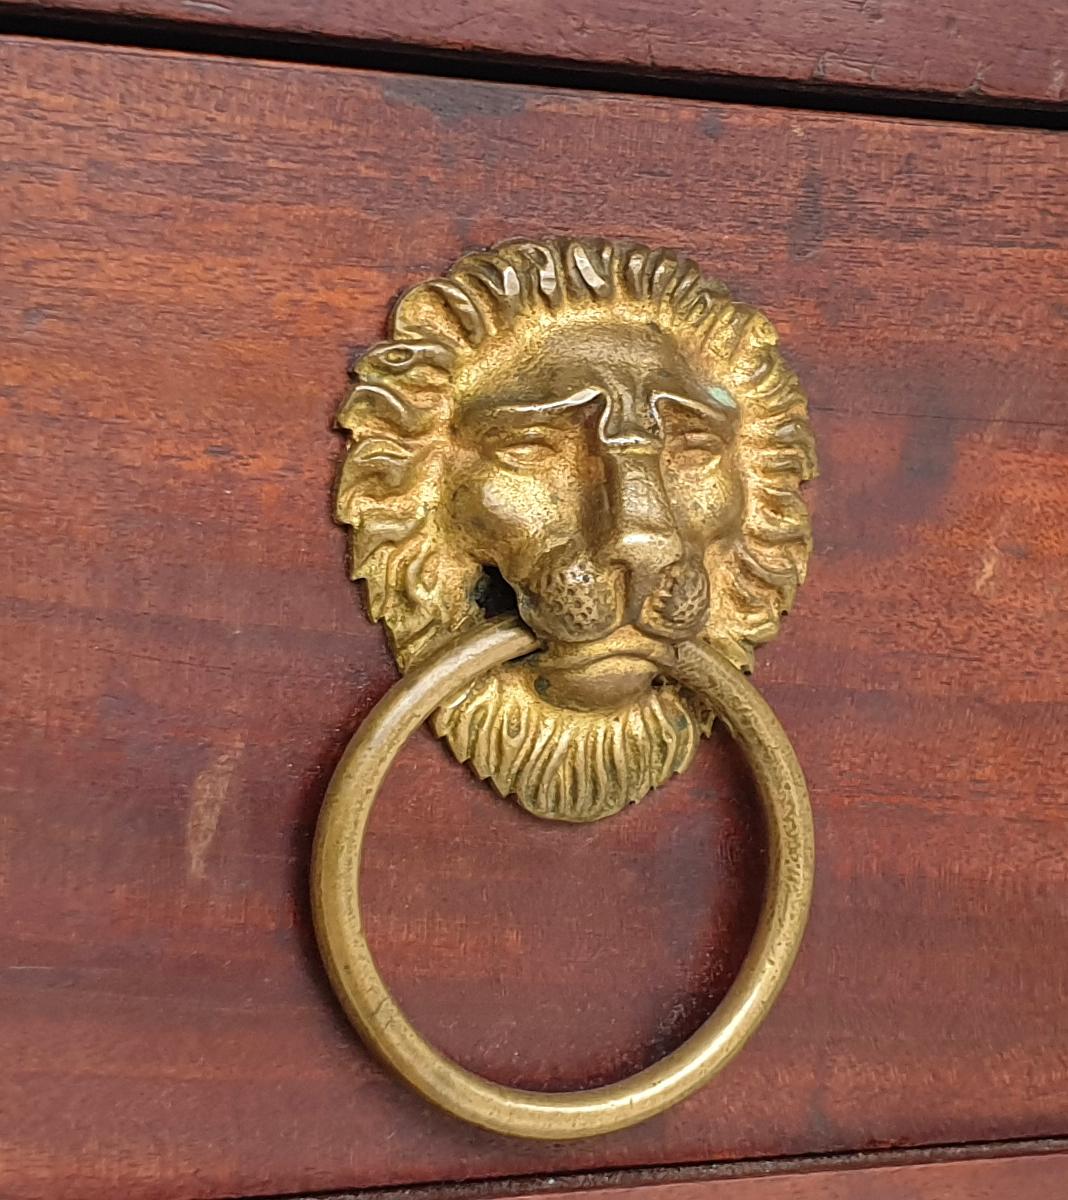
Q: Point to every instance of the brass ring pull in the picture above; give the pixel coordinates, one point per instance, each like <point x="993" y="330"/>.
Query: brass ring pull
<point x="562" y="1115"/>
<point x="592" y="435"/>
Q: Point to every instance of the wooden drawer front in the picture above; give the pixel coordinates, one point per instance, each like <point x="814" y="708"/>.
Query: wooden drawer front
<point x="1035" y="1175"/>
<point x="980" y="51"/>
<point x="194" y="248"/>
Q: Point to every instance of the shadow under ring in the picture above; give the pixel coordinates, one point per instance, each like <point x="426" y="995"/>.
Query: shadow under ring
<point x="557" y="1116"/>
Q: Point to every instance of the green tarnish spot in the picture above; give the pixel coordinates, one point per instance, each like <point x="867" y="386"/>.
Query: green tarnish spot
<point x="722" y="396"/>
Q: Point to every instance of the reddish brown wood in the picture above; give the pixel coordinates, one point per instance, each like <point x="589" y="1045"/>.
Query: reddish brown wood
<point x="964" y="49"/>
<point x="1020" y="1170"/>
<point x="193" y="249"/>
<point x="1019" y="1177"/>
<point x="1025" y="1170"/>
<point x="1038" y="1178"/>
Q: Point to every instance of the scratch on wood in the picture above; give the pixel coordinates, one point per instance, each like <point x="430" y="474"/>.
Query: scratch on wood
<point x="207" y="6"/>
<point x="992" y="556"/>
<point x="206" y="801"/>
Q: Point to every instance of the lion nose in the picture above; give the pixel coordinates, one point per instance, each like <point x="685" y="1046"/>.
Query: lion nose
<point x="641" y="536"/>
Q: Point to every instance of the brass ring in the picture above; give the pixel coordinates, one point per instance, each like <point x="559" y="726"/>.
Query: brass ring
<point x="558" y="1115"/>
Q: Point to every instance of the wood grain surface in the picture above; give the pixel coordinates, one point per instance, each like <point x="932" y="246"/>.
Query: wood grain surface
<point x="973" y="50"/>
<point x="1010" y="1177"/>
<point x="1041" y="1178"/>
<point x="193" y="250"/>
<point x="1013" y="1171"/>
<point x="999" y="1179"/>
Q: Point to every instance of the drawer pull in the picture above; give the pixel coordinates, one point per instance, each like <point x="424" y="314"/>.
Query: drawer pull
<point x="591" y="439"/>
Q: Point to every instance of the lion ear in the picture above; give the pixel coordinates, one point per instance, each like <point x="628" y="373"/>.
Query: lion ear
<point x="384" y="475"/>
<point x="375" y="467"/>
<point x="386" y="495"/>
<point x="386" y="451"/>
<point x="388" y="491"/>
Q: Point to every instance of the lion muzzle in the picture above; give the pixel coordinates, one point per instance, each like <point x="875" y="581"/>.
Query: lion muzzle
<point x="574" y="598"/>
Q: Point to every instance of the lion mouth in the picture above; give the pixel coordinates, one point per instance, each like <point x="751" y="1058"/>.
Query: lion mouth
<point x="600" y="674"/>
<point x="627" y="642"/>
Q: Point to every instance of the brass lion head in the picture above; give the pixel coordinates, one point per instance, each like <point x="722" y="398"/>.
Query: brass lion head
<point x="594" y="435"/>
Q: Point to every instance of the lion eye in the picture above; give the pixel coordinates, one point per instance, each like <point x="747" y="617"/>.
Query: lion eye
<point x="525" y="454"/>
<point x="374" y="451"/>
<point x="522" y="449"/>
<point x="697" y="446"/>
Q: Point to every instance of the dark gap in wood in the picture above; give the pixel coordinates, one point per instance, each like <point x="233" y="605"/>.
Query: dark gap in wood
<point x="243" y="42"/>
<point x="636" y="1177"/>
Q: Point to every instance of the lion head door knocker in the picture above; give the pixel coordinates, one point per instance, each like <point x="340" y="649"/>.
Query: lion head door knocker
<point x="573" y="490"/>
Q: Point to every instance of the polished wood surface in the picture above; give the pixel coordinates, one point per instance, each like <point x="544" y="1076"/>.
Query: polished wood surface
<point x="973" y="50"/>
<point x="193" y="250"/>
<point x="1012" y="1171"/>
<point x="999" y="1179"/>
<point x="1008" y="1176"/>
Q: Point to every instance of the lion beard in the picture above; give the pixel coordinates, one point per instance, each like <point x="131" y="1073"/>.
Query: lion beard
<point x="565" y="764"/>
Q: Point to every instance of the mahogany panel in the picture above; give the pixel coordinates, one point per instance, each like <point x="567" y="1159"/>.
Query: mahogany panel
<point x="976" y="50"/>
<point x="193" y="249"/>
<point x="1020" y="1170"/>
<point x="1021" y="1177"/>
<point x="1036" y="1178"/>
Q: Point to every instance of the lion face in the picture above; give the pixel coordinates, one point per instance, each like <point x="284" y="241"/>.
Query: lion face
<point x="596" y="477"/>
<point x="593" y="433"/>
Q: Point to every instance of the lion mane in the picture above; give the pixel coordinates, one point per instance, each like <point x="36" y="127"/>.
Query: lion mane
<point x="572" y="766"/>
